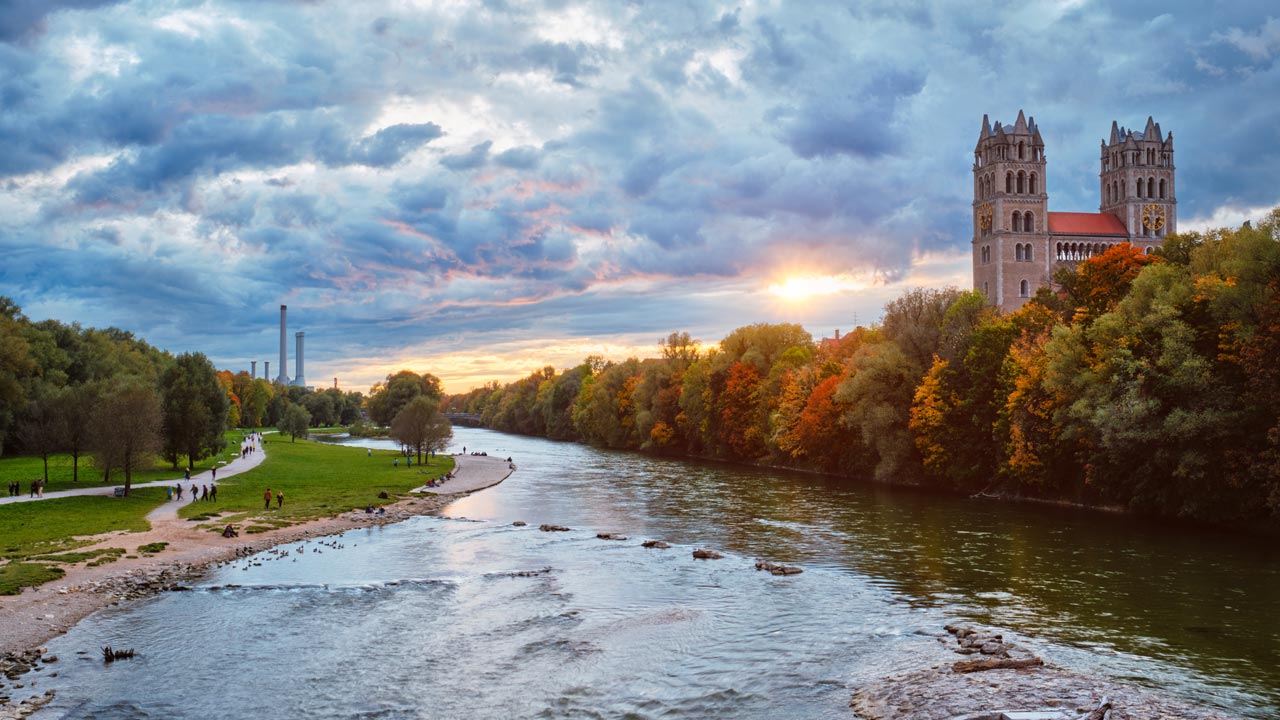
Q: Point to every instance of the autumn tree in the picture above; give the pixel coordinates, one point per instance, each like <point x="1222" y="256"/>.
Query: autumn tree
<point x="1099" y="282"/>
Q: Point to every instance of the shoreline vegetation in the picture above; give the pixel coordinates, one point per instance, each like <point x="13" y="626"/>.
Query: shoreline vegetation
<point x="1144" y="384"/>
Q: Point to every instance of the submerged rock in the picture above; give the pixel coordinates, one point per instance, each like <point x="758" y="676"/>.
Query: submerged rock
<point x="655" y="544"/>
<point x="610" y="536"/>
<point x="553" y="528"/>
<point x="519" y="523"/>
<point x="778" y="568"/>
<point x="704" y="554"/>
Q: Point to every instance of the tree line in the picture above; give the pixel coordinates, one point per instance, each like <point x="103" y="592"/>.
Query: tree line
<point x="1147" y="381"/>
<point x="103" y="395"/>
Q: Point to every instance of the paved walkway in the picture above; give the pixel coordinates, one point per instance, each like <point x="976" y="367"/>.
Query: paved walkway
<point x="235" y="467"/>
<point x="471" y="473"/>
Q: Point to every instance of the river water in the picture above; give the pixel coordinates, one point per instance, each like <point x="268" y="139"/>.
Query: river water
<point x="429" y="618"/>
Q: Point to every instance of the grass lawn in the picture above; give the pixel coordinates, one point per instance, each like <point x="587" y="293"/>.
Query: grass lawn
<point x="15" y="576"/>
<point x="26" y="468"/>
<point x="318" y="480"/>
<point x="33" y="530"/>
<point x="50" y="526"/>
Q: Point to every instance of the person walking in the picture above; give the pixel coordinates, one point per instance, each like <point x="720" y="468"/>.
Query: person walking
<point x="266" y="500"/>
<point x="280" y="499"/>
<point x="204" y="492"/>
<point x="213" y="493"/>
<point x="214" y="470"/>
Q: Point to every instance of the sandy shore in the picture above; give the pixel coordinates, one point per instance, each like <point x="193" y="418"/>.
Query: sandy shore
<point x="38" y="614"/>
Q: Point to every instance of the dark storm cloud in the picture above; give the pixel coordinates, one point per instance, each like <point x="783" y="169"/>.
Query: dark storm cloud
<point x="513" y="165"/>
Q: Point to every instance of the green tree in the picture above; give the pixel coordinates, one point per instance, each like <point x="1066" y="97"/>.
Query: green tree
<point x="387" y="398"/>
<point x="296" y="421"/>
<point x="195" y="409"/>
<point x="421" y="427"/>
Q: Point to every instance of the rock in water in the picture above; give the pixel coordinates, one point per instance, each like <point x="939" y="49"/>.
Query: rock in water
<point x="655" y="544"/>
<point x="519" y="523"/>
<point x="703" y="554"/>
<point x="553" y="528"/>
<point x="611" y="536"/>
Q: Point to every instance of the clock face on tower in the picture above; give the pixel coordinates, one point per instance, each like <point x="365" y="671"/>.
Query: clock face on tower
<point x="984" y="216"/>
<point x="1153" y="217"/>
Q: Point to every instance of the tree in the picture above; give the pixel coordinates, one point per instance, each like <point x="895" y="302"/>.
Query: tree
<point x="15" y="363"/>
<point x="74" y="407"/>
<point x="126" y="429"/>
<point x="386" y="399"/>
<point x="321" y="408"/>
<point x="41" y="428"/>
<point x="195" y="409"/>
<point x="1101" y="281"/>
<point x="421" y="427"/>
<point x="296" y="421"/>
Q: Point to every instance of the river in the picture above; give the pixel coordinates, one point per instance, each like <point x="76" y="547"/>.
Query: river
<point x="429" y="619"/>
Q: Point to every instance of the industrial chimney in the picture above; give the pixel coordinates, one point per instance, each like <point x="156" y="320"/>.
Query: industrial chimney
<point x="300" y="377"/>
<point x="266" y="371"/>
<point x="284" y="350"/>
<point x="253" y="369"/>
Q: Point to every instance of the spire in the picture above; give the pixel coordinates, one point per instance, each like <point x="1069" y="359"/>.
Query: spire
<point x="1149" y="130"/>
<point x="1159" y="135"/>
<point x="986" y="128"/>
<point x="1115" y="133"/>
<point x="1020" y="127"/>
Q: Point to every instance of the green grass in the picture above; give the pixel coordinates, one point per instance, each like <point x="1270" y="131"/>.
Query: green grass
<point x="318" y="480"/>
<point x="26" y="468"/>
<point x="15" y="576"/>
<point x="152" y="548"/>
<point x="50" y="526"/>
<point x="106" y="555"/>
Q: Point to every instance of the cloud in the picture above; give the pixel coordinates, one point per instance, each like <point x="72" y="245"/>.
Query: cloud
<point x="497" y="171"/>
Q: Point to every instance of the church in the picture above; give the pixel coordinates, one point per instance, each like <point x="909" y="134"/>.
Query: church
<point x="1018" y="243"/>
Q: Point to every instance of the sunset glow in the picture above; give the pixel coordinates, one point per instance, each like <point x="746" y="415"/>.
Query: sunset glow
<point x="805" y="287"/>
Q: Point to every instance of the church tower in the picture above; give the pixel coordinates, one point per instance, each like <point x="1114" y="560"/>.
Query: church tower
<point x="1137" y="180"/>
<point x="1011" y="256"/>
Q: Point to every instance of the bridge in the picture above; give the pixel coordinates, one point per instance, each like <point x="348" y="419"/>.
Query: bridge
<point x="469" y="419"/>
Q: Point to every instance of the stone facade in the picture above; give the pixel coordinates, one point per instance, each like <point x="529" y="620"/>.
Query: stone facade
<point x="1018" y="244"/>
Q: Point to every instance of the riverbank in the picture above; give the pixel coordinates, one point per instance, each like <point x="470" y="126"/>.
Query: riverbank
<point x="41" y="613"/>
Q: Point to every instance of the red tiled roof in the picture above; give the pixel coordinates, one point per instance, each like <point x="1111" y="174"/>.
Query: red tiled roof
<point x="1073" y="223"/>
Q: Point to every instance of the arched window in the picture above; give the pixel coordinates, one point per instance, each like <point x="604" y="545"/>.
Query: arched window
<point x="1032" y="187"/>
<point x="985" y="291"/>
<point x="1161" y="188"/>
<point x="1026" y="253"/>
<point x="1115" y="191"/>
<point x="1148" y="250"/>
<point x="1017" y="222"/>
<point x="1008" y="183"/>
<point x="1017" y="252"/>
<point x="1140" y="184"/>
<point x="1029" y="225"/>
<point x="1024" y="289"/>
<point x="1021" y="182"/>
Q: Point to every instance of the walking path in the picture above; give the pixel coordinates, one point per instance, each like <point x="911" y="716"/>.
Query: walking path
<point x="235" y="467"/>
<point x="471" y="473"/>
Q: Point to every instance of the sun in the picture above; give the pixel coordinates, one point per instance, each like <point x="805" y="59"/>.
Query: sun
<point x="803" y="287"/>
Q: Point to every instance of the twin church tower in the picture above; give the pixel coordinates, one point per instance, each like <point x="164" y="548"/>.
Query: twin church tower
<point x="1018" y="243"/>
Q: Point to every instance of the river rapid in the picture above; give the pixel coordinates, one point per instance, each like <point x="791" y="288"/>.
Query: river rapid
<point x="433" y="618"/>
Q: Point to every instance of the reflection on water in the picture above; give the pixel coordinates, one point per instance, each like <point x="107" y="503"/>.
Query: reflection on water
<point x="433" y="618"/>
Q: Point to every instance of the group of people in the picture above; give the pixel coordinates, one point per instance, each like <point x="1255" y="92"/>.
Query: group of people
<point x="37" y="488"/>
<point x="203" y="492"/>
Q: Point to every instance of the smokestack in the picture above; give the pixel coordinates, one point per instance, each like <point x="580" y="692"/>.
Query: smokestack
<point x="335" y="383"/>
<point x="266" y="371"/>
<point x="284" y="350"/>
<point x="300" y="378"/>
<point x="253" y="370"/>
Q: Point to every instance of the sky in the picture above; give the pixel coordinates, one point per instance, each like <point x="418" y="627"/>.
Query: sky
<point x="479" y="189"/>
